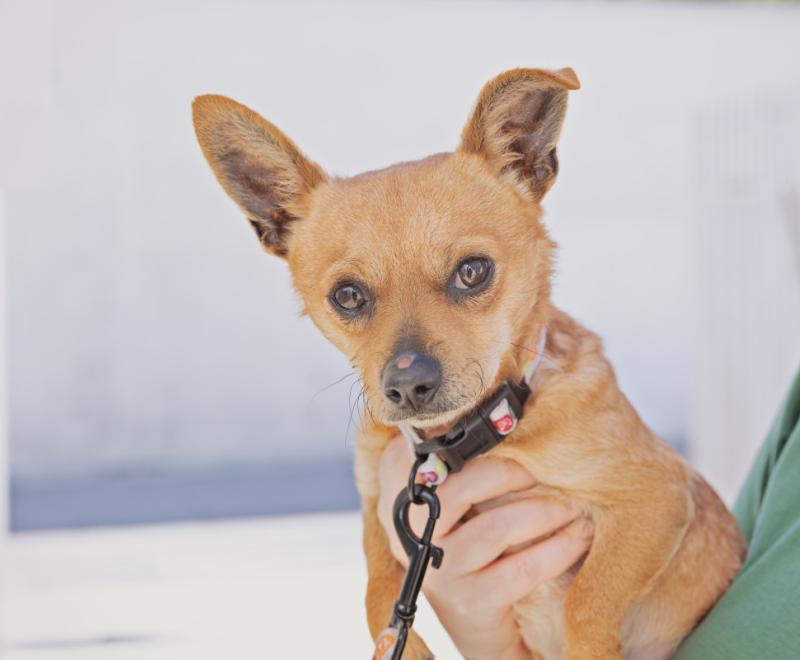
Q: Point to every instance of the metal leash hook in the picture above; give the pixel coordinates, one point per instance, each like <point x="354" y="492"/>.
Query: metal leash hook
<point x="391" y="642"/>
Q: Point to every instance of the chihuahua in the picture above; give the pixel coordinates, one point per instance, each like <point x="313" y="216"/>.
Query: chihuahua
<point x="433" y="278"/>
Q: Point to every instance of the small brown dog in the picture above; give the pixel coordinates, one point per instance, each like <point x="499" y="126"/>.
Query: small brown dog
<point x="443" y="264"/>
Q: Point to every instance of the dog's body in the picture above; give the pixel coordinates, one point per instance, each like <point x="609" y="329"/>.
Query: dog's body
<point x="665" y="547"/>
<point x="434" y="278"/>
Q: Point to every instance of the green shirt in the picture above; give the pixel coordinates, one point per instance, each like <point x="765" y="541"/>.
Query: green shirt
<point x="759" y="616"/>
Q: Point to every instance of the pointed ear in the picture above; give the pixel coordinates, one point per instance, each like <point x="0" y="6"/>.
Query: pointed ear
<point x="516" y="122"/>
<point x="257" y="165"/>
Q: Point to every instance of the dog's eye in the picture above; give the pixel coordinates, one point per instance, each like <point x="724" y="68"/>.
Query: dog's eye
<point x="471" y="273"/>
<point x="349" y="297"/>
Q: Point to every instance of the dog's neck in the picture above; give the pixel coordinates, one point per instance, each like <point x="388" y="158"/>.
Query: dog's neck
<point x="482" y="428"/>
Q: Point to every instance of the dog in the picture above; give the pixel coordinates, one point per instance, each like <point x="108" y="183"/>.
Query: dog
<point x="444" y="264"/>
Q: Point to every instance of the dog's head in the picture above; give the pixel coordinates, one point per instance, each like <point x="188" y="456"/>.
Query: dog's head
<point x="430" y="276"/>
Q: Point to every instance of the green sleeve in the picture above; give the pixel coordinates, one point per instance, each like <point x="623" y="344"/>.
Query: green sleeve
<point x="759" y="616"/>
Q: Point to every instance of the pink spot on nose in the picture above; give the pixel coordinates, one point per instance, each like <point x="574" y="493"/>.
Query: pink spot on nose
<point x="405" y="362"/>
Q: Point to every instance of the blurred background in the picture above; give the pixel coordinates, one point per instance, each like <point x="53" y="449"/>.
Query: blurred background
<point x="155" y="369"/>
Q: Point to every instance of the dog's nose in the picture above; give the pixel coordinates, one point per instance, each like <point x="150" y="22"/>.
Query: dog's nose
<point x="412" y="379"/>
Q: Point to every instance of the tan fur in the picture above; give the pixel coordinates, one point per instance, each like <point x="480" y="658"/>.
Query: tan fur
<point x="665" y="548"/>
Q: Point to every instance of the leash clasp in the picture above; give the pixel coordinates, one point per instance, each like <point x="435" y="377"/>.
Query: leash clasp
<point x="421" y="552"/>
<point x="413" y="545"/>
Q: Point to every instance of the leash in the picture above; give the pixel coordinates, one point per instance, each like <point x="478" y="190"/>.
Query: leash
<point x="474" y="434"/>
<point x="391" y="641"/>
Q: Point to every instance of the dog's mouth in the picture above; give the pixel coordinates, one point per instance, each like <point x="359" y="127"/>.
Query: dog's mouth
<point x="431" y="425"/>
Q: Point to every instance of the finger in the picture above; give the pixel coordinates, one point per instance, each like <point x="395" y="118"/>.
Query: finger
<point x="515" y="576"/>
<point x="479" y="481"/>
<point x="395" y="462"/>
<point x="485" y="537"/>
<point x="393" y="468"/>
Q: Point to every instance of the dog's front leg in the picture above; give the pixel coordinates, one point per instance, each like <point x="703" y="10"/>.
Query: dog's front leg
<point x="632" y="545"/>
<point x="384" y="577"/>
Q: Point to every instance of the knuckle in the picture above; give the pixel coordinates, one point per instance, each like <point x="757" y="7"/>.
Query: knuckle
<point x="506" y="470"/>
<point x="528" y="569"/>
<point x="514" y="475"/>
<point x="542" y="514"/>
<point x="522" y="478"/>
<point x="452" y="493"/>
<point x="493" y="524"/>
<point x="580" y="529"/>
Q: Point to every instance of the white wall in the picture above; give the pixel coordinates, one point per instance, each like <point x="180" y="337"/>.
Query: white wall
<point x="147" y="329"/>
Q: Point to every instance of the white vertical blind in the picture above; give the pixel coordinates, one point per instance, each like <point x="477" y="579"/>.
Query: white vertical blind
<point x="748" y="252"/>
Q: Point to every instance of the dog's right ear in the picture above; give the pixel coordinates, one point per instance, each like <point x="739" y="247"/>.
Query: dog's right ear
<point x="258" y="166"/>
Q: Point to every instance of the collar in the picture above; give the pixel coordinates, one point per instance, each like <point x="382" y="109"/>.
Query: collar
<point x="483" y="428"/>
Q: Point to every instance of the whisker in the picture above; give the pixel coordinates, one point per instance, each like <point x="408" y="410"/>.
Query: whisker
<point x="480" y="376"/>
<point x="367" y="407"/>
<point x="353" y="407"/>
<point x="333" y="384"/>
<point x="481" y="389"/>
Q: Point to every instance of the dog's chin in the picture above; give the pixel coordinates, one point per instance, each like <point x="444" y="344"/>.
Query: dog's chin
<point x="433" y="423"/>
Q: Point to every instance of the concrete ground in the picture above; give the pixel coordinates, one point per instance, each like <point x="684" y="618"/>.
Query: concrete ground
<point x="281" y="587"/>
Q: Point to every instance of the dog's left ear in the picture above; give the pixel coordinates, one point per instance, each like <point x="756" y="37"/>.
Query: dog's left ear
<point x="261" y="169"/>
<point x="516" y="122"/>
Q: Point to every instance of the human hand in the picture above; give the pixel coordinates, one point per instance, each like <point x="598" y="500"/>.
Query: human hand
<point x="472" y="592"/>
